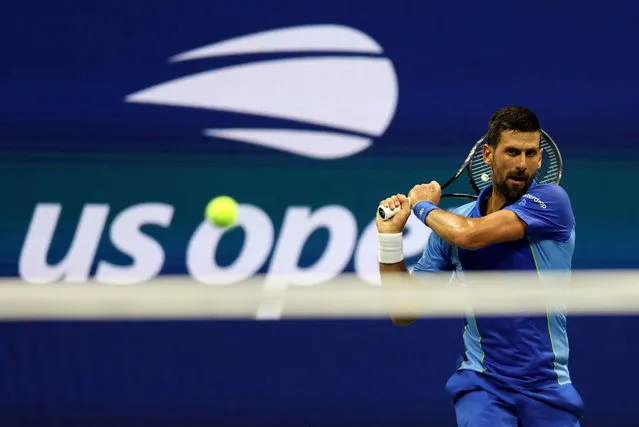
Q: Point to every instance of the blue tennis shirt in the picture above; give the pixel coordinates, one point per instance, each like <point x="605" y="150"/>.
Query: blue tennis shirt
<point x="520" y="352"/>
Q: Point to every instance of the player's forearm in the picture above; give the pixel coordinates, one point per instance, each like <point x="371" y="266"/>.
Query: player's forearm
<point x="455" y="229"/>
<point x="393" y="269"/>
<point x="387" y="273"/>
<point x="476" y="233"/>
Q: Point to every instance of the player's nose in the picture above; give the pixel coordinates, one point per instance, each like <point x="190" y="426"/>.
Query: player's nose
<point x="521" y="163"/>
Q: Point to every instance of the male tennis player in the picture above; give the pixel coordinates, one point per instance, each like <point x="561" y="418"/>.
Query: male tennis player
<point x="514" y="371"/>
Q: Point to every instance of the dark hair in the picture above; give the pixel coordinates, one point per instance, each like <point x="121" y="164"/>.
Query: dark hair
<point x="515" y="118"/>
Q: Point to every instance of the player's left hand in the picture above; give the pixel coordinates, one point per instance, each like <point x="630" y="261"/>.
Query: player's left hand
<point x="431" y="192"/>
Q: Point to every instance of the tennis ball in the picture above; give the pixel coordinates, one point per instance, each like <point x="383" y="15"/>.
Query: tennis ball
<point x="222" y="211"/>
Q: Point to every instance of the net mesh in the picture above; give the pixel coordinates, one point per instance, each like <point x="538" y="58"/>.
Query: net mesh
<point x="345" y="296"/>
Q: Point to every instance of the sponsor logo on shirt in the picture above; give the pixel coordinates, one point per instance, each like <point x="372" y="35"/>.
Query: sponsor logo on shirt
<point x="534" y="199"/>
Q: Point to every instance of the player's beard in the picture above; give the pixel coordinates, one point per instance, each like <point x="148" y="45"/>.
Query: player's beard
<point x="513" y="191"/>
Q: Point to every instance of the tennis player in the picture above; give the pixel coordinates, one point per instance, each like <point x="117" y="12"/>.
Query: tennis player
<point x="514" y="371"/>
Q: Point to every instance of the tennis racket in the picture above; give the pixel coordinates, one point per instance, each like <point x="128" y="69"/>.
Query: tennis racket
<point x="480" y="176"/>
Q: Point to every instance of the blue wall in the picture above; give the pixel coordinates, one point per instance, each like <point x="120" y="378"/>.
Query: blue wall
<point x="69" y="138"/>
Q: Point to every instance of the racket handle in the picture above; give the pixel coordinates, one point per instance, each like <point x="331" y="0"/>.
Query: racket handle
<point x="385" y="213"/>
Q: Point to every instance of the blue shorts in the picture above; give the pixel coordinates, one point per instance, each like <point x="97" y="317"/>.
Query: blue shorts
<point x="481" y="402"/>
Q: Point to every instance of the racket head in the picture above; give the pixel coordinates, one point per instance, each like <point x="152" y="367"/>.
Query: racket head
<point x="551" y="170"/>
<point x="472" y="154"/>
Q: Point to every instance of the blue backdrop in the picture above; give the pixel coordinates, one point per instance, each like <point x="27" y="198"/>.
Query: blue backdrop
<point x="76" y="147"/>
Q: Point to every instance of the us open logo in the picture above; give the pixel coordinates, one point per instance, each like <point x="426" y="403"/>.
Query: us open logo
<point x="351" y="96"/>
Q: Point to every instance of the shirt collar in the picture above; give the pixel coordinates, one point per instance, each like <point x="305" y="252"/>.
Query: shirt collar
<point x="484" y="195"/>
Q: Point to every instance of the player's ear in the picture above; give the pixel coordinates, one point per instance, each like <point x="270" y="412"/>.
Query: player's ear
<point x="541" y="156"/>
<point x="488" y="154"/>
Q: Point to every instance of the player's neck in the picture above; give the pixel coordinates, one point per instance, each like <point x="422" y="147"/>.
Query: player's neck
<point x="495" y="202"/>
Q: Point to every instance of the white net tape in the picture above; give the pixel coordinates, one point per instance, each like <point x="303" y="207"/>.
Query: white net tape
<point x="586" y="292"/>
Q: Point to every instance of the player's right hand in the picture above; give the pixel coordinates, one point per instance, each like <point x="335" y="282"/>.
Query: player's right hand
<point x="396" y="223"/>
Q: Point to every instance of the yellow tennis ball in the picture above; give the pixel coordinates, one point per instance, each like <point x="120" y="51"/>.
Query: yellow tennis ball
<point x="222" y="211"/>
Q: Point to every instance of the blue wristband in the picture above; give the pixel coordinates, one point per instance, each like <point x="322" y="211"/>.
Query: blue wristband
<point x="423" y="208"/>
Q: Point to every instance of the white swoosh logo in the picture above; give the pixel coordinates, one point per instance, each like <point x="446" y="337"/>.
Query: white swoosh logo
<point x="312" y="38"/>
<point x="357" y="94"/>
<point x="349" y="93"/>
<point x="317" y="144"/>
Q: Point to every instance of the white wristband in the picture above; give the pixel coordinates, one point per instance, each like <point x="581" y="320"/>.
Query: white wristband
<point x="390" y="248"/>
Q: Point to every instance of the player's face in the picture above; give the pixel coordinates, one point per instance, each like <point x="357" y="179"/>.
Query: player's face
<point x="514" y="162"/>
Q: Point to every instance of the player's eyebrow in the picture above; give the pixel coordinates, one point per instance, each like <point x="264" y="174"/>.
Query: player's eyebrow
<point x="518" y="148"/>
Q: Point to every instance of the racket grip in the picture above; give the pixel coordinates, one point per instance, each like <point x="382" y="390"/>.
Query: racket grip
<point x="385" y="213"/>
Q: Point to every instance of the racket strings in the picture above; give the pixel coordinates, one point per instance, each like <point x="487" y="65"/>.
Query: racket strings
<point x="481" y="174"/>
<point x="550" y="170"/>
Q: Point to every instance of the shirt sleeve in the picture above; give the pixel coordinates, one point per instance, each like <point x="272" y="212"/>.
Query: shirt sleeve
<point x="546" y="209"/>
<point x="435" y="257"/>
